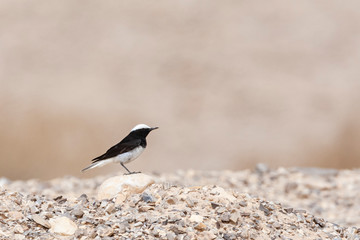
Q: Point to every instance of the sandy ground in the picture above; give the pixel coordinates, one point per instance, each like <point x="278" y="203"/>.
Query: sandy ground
<point x="260" y="203"/>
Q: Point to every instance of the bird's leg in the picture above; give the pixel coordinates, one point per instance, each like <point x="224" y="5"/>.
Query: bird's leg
<point x="128" y="170"/>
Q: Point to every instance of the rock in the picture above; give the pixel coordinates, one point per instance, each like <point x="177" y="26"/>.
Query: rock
<point x="319" y="221"/>
<point x="200" y="226"/>
<point x="276" y="225"/>
<point x="324" y="172"/>
<point x="221" y="193"/>
<point x="124" y="186"/>
<point x="214" y="205"/>
<point x="77" y="212"/>
<point x="15" y="215"/>
<point x="196" y="218"/>
<point x="225" y="217"/>
<point x="105" y="231"/>
<point x="177" y="229"/>
<point x="83" y="198"/>
<point x="243" y="204"/>
<point x="288" y="210"/>
<point x="148" y="198"/>
<point x="4" y="181"/>
<point x="60" y="199"/>
<point x="229" y="236"/>
<point x="39" y="220"/>
<point x="206" y="235"/>
<point x="221" y="210"/>
<point x="171" y="200"/>
<point x="264" y="209"/>
<point x="234" y="217"/>
<point x="18" y="229"/>
<point x="120" y="199"/>
<point x="170" y="236"/>
<point x="110" y="208"/>
<point x="145" y="208"/>
<point x="290" y="186"/>
<point x="19" y="237"/>
<point x="34" y="210"/>
<point x="245" y="214"/>
<point x="261" y="168"/>
<point x="63" y="226"/>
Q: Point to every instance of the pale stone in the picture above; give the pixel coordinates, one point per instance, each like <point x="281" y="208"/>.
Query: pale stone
<point x="206" y="235"/>
<point x="63" y="226"/>
<point x="120" y="198"/>
<point x="124" y="186"/>
<point x="196" y="218"/>
<point x="3" y="234"/>
<point x="200" y="226"/>
<point x="221" y="193"/>
<point x="41" y="221"/>
<point x="16" y="215"/>
<point x="18" y="237"/>
<point x="18" y="229"/>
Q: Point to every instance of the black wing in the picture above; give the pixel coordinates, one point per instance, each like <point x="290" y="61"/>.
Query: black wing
<point x="119" y="148"/>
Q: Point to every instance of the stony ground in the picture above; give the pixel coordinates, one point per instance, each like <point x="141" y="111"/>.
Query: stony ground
<point x="260" y="203"/>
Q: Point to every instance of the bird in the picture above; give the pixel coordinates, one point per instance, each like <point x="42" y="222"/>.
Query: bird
<point x="126" y="150"/>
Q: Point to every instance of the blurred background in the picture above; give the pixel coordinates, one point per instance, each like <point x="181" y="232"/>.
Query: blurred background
<point x="229" y="83"/>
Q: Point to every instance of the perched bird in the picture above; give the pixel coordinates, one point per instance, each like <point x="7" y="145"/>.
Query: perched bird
<point x="125" y="151"/>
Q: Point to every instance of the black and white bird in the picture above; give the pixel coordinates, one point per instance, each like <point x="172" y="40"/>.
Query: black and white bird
<point x="125" y="151"/>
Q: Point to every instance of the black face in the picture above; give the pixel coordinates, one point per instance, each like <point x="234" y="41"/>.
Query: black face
<point x="143" y="132"/>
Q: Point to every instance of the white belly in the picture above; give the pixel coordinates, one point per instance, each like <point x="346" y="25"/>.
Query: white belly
<point x="129" y="156"/>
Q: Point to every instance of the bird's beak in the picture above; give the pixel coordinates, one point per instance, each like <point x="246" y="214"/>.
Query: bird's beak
<point x="153" y="128"/>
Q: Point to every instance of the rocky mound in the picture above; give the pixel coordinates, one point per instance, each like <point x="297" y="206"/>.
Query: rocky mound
<point x="185" y="205"/>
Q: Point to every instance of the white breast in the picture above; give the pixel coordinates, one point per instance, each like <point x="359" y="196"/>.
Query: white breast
<point x="129" y="156"/>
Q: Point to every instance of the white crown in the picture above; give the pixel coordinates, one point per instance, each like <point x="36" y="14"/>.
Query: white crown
<point x="140" y="126"/>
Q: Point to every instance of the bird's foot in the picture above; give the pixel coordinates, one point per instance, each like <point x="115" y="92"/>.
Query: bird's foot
<point x="130" y="173"/>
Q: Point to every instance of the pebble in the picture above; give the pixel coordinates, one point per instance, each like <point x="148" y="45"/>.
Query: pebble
<point x="18" y="236"/>
<point x="170" y="236"/>
<point x="243" y="204"/>
<point x="124" y="186"/>
<point x="288" y="210"/>
<point x="276" y="225"/>
<point x="148" y="198"/>
<point x="83" y="198"/>
<point x="229" y="236"/>
<point x="18" y="229"/>
<point x="196" y="218"/>
<point x="214" y="205"/>
<point x="16" y="215"/>
<point x="234" y="217"/>
<point x="110" y="208"/>
<point x="261" y="168"/>
<point x="206" y="235"/>
<point x="171" y="200"/>
<point x="264" y="209"/>
<point x="200" y="226"/>
<point x="63" y="226"/>
<point x="77" y="212"/>
<point x="39" y="220"/>
<point x="177" y="229"/>
<point x="221" y="193"/>
<point x="320" y="222"/>
<point x="225" y="217"/>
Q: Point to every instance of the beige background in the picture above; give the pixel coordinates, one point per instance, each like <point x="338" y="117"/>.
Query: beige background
<point x="229" y="83"/>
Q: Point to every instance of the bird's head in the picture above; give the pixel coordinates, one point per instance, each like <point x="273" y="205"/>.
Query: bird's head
<point x="142" y="130"/>
<point x="144" y="127"/>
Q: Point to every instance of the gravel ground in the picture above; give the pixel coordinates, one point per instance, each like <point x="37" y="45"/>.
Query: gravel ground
<point x="261" y="203"/>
